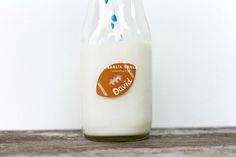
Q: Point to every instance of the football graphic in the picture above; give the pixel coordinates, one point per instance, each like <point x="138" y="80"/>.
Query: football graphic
<point x="116" y="80"/>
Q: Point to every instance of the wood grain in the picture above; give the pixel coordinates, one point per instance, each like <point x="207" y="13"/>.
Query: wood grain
<point x="217" y="142"/>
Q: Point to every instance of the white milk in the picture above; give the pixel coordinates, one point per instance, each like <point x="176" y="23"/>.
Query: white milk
<point x="129" y="114"/>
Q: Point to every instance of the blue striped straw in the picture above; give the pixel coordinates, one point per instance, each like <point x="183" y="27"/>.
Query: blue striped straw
<point x="113" y="17"/>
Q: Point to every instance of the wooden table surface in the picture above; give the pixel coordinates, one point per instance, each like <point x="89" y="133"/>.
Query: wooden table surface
<point x="217" y="142"/>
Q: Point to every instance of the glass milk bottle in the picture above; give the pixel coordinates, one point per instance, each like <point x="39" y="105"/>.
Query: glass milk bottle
<point x="116" y="61"/>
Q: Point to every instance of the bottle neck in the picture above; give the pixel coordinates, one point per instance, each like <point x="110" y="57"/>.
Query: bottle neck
<point x="119" y="7"/>
<point x="116" y="20"/>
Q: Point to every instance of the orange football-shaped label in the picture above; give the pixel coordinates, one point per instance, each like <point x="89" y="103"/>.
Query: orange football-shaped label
<point x="116" y="80"/>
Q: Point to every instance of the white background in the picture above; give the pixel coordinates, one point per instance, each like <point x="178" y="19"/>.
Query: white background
<point x="194" y="63"/>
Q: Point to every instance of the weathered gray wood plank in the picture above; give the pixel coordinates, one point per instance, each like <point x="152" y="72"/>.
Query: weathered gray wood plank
<point x="218" y="142"/>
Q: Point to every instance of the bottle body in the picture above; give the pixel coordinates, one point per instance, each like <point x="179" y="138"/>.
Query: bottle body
<point x="116" y="87"/>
